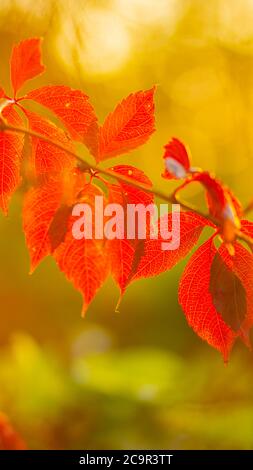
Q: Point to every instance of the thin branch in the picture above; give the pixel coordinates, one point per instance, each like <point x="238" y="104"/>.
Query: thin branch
<point x="85" y="165"/>
<point x="172" y="198"/>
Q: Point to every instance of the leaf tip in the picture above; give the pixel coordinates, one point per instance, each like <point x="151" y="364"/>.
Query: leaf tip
<point x="84" y="309"/>
<point x="33" y="265"/>
<point x="4" y="206"/>
<point x="31" y="270"/>
<point x="118" y="304"/>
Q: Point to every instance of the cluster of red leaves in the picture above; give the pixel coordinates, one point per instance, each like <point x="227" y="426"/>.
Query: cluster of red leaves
<point x="9" y="438"/>
<point x="215" y="289"/>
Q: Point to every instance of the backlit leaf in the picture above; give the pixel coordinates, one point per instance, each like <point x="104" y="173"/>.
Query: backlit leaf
<point x="71" y="106"/>
<point x="125" y="254"/>
<point x="25" y="62"/>
<point x="222" y="203"/>
<point x="131" y="194"/>
<point x="9" y="438"/>
<point x="247" y="228"/>
<point x="84" y="262"/>
<point x="43" y="205"/>
<point x="177" y="161"/>
<point x="228" y="293"/>
<point x="197" y="303"/>
<point x="128" y="126"/>
<point x="241" y="263"/>
<point x="47" y="158"/>
<point x="157" y="260"/>
<point x="11" y="146"/>
<point x="40" y="206"/>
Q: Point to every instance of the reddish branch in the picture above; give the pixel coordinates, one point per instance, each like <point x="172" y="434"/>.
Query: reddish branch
<point x="172" y="198"/>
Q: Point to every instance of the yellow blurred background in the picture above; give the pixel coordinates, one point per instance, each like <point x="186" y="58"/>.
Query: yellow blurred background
<point x="141" y="378"/>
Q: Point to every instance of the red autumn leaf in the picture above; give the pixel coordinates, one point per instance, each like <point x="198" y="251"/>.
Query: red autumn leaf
<point x="59" y="226"/>
<point x="156" y="260"/>
<point x="125" y="253"/>
<point x="241" y="264"/>
<point x="228" y="292"/>
<point x="147" y="258"/>
<point x="72" y="107"/>
<point x="197" y="303"/>
<point x="247" y="227"/>
<point x="11" y="146"/>
<point x="91" y="138"/>
<point x="236" y="203"/>
<point x="84" y="262"/>
<point x="25" y="62"/>
<point x="128" y="126"/>
<point x="40" y="206"/>
<point x="44" y="229"/>
<point x="9" y="438"/>
<point x="222" y="204"/>
<point x="4" y="100"/>
<point x="121" y="250"/>
<point x="177" y="160"/>
<point x="47" y="158"/>
<point x="131" y="194"/>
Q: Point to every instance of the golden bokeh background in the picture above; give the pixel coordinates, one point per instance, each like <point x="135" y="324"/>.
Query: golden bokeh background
<point x="141" y="378"/>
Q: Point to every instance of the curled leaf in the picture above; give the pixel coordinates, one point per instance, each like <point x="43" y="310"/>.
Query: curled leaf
<point x="177" y="160"/>
<point x="84" y="261"/>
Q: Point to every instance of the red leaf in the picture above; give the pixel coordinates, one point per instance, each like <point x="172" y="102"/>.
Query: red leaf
<point x="11" y="146"/>
<point x="177" y="160"/>
<point x="70" y="106"/>
<point x="197" y="303"/>
<point x="128" y="126"/>
<point x="124" y="253"/>
<point x="47" y="158"/>
<point x="121" y="251"/>
<point x="25" y="62"/>
<point x="84" y="262"/>
<point x="59" y="226"/>
<point x="40" y="206"/>
<point x="9" y="438"/>
<point x="228" y="293"/>
<point x="247" y="227"/>
<point x="131" y="194"/>
<point x="155" y="260"/>
<point x="241" y="264"/>
<point x="43" y="228"/>
<point x="91" y="138"/>
<point x="222" y="204"/>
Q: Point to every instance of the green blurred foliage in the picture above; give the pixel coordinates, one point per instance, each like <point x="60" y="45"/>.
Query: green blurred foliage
<point x="141" y="378"/>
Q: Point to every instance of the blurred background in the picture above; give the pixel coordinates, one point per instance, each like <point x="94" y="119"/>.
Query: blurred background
<point x="139" y="378"/>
